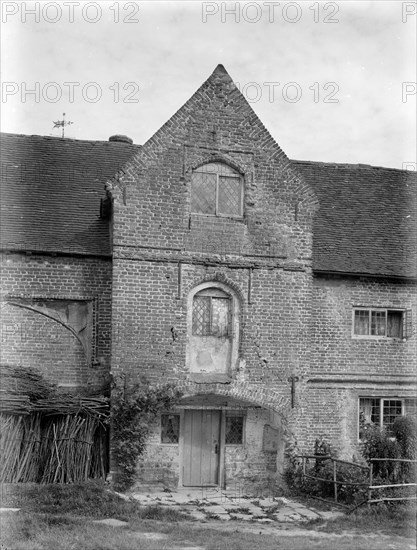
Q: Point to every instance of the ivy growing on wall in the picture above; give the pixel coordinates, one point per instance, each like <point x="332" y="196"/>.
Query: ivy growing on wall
<point x="133" y="410"/>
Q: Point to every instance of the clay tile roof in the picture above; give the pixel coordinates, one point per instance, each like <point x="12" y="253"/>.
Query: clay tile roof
<point x="367" y="219"/>
<point x="51" y="191"/>
<point x="52" y="187"/>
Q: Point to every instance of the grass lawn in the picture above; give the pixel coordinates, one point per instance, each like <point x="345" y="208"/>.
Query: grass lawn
<point x="61" y="517"/>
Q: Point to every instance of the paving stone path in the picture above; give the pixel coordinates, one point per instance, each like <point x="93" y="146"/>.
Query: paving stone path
<point x="209" y="504"/>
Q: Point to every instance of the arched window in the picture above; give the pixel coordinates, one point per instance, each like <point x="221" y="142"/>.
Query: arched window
<point x="213" y="329"/>
<point x="217" y="190"/>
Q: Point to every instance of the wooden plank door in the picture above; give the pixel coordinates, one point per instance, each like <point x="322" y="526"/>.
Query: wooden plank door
<point x="201" y="448"/>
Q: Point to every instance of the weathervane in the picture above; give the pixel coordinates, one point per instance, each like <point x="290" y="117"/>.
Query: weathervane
<point x="63" y="123"/>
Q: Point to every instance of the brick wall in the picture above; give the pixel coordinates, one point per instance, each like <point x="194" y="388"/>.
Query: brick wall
<point x="336" y="352"/>
<point x="33" y="340"/>
<point x="343" y="369"/>
<point x="161" y="252"/>
<point x="290" y="324"/>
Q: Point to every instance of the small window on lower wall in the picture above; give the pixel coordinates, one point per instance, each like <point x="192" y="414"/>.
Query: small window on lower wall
<point x="170" y="428"/>
<point x="382" y="412"/>
<point x="234" y="429"/>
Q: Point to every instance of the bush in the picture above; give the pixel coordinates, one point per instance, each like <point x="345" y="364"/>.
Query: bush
<point x="379" y="443"/>
<point x="346" y="473"/>
<point x="405" y="431"/>
<point x="397" y="444"/>
<point x="134" y="408"/>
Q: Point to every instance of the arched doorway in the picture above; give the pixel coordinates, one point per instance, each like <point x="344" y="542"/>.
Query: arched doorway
<point x="229" y="442"/>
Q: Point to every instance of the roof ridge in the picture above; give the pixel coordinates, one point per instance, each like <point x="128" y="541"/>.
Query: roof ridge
<point x="66" y="139"/>
<point x="350" y="165"/>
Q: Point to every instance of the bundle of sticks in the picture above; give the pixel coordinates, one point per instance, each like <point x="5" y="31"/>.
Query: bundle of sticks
<point x="47" y="435"/>
<point x="24" y="390"/>
<point x="16" y="380"/>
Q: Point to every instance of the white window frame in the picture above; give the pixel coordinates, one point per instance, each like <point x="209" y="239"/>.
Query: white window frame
<point x="375" y="336"/>
<point x="381" y="408"/>
<point x="237" y="176"/>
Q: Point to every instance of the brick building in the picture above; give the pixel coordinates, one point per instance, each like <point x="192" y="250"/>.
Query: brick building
<point x="277" y="294"/>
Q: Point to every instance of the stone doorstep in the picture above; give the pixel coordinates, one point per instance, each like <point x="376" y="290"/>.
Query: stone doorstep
<point x="290" y="511"/>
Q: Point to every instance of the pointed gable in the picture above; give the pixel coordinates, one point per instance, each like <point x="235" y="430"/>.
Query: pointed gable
<point x="216" y="125"/>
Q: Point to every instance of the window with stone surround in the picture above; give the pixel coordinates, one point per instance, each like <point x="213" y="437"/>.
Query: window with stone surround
<point x="217" y="190"/>
<point x="213" y="332"/>
<point x="383" y="411"/>
<point x="381" y="323"/>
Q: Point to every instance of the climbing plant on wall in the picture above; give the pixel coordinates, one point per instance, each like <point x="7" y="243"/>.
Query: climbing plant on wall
<point x="133" y="409"/>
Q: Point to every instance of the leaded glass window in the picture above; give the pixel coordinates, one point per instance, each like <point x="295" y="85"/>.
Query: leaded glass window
<point x="170" y="428"/>
<point x="234" y="430"/>
<point x="211" y="313"/>
<point x="217" y="189"/>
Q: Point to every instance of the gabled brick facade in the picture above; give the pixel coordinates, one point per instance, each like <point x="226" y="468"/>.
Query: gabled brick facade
<point x="281" y="277"/>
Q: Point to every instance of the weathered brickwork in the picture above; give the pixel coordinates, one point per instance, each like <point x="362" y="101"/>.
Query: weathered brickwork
<point x="296" y="359"/>
<point x="344" y="368"/>
<point x="161" y="252"/>
<point x="336" y="352"/>
<point x="150" y="320"/>
<point x="290" y="363"/>
<point x="33" y="340"/>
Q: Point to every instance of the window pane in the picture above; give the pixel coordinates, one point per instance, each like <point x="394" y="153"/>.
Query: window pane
<point x="230" y="203"/>
<point x="170" y="428"/>
<point x="361" y="322"/>
<point x="376" y="411"/>
<point x="411" y="407"/>
<point x="234" y="430"/>
<point x="394" y="324"/>
<point x="201" y="315"/>
<point x="378" y="323"/>
<point x="220" y="317"/>
<point x="391" y="409"/>
<point x="365" y="409"/>
<point x="203" y="193"/>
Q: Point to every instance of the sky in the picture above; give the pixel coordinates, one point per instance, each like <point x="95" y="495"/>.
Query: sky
<point x="331" y="81"/>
